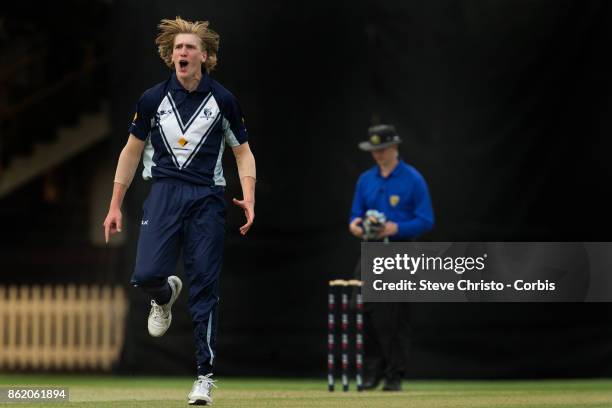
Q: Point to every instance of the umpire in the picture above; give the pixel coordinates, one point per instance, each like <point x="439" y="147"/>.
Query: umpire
<point x="391" y="203"/>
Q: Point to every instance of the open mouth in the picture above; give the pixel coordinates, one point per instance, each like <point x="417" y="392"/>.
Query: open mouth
<point x="183" y="63"/>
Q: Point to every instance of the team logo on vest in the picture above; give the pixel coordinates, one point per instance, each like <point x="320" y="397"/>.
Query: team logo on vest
<point x="394" y="200"/>
<point x="207" y="113"/>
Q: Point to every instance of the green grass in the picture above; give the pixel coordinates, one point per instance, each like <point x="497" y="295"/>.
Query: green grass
<point x="103" y="392"/>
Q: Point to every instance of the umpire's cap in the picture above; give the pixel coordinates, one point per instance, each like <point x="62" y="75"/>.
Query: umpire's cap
<point x="380" y="137"/>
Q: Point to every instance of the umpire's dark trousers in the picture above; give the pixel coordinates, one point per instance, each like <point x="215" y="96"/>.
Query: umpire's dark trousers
<point x="386" y="337"/>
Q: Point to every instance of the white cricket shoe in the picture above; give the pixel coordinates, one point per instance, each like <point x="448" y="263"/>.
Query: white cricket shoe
<point x="160" y="316"/>
<point x="201" y="391"/>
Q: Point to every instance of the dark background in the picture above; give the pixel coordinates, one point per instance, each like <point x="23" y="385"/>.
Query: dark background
<point x="503" y="106"/>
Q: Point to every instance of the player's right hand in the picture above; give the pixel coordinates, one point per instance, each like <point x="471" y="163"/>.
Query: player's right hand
<point x="355" y="227"/>
<point x="112" y="223"/>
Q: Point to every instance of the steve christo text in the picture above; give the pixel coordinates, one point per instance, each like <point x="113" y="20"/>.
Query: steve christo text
<point x="466" y="285"/>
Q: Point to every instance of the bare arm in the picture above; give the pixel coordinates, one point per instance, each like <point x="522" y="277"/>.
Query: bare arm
<point x="126" y="168"/>
<point x="247" y="173"/>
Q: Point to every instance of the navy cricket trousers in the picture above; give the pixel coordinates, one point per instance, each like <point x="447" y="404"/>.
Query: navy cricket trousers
<point x="191" y="218"/>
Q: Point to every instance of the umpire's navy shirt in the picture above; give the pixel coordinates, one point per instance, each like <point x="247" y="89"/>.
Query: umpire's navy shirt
<point x="186" y="132"/>
<point x="402" y="196"/>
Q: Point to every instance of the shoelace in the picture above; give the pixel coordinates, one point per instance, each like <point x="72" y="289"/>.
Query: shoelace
<point x="206" y="382"/>
<point x="156" y="310"/>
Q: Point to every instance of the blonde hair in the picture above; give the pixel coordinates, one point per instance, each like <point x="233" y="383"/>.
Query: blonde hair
<point x="168" y="29"/>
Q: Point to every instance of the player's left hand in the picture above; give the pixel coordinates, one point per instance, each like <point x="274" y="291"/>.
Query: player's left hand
<point x="249" y="213"/>
<point x="389" y="230"/>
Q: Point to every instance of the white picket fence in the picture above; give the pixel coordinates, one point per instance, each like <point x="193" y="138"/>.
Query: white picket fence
<point x="61" y="327"/>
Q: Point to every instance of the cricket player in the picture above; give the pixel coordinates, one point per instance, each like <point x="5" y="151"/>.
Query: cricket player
<point x="180" y="129"/>
<point x="396" y="194"/>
